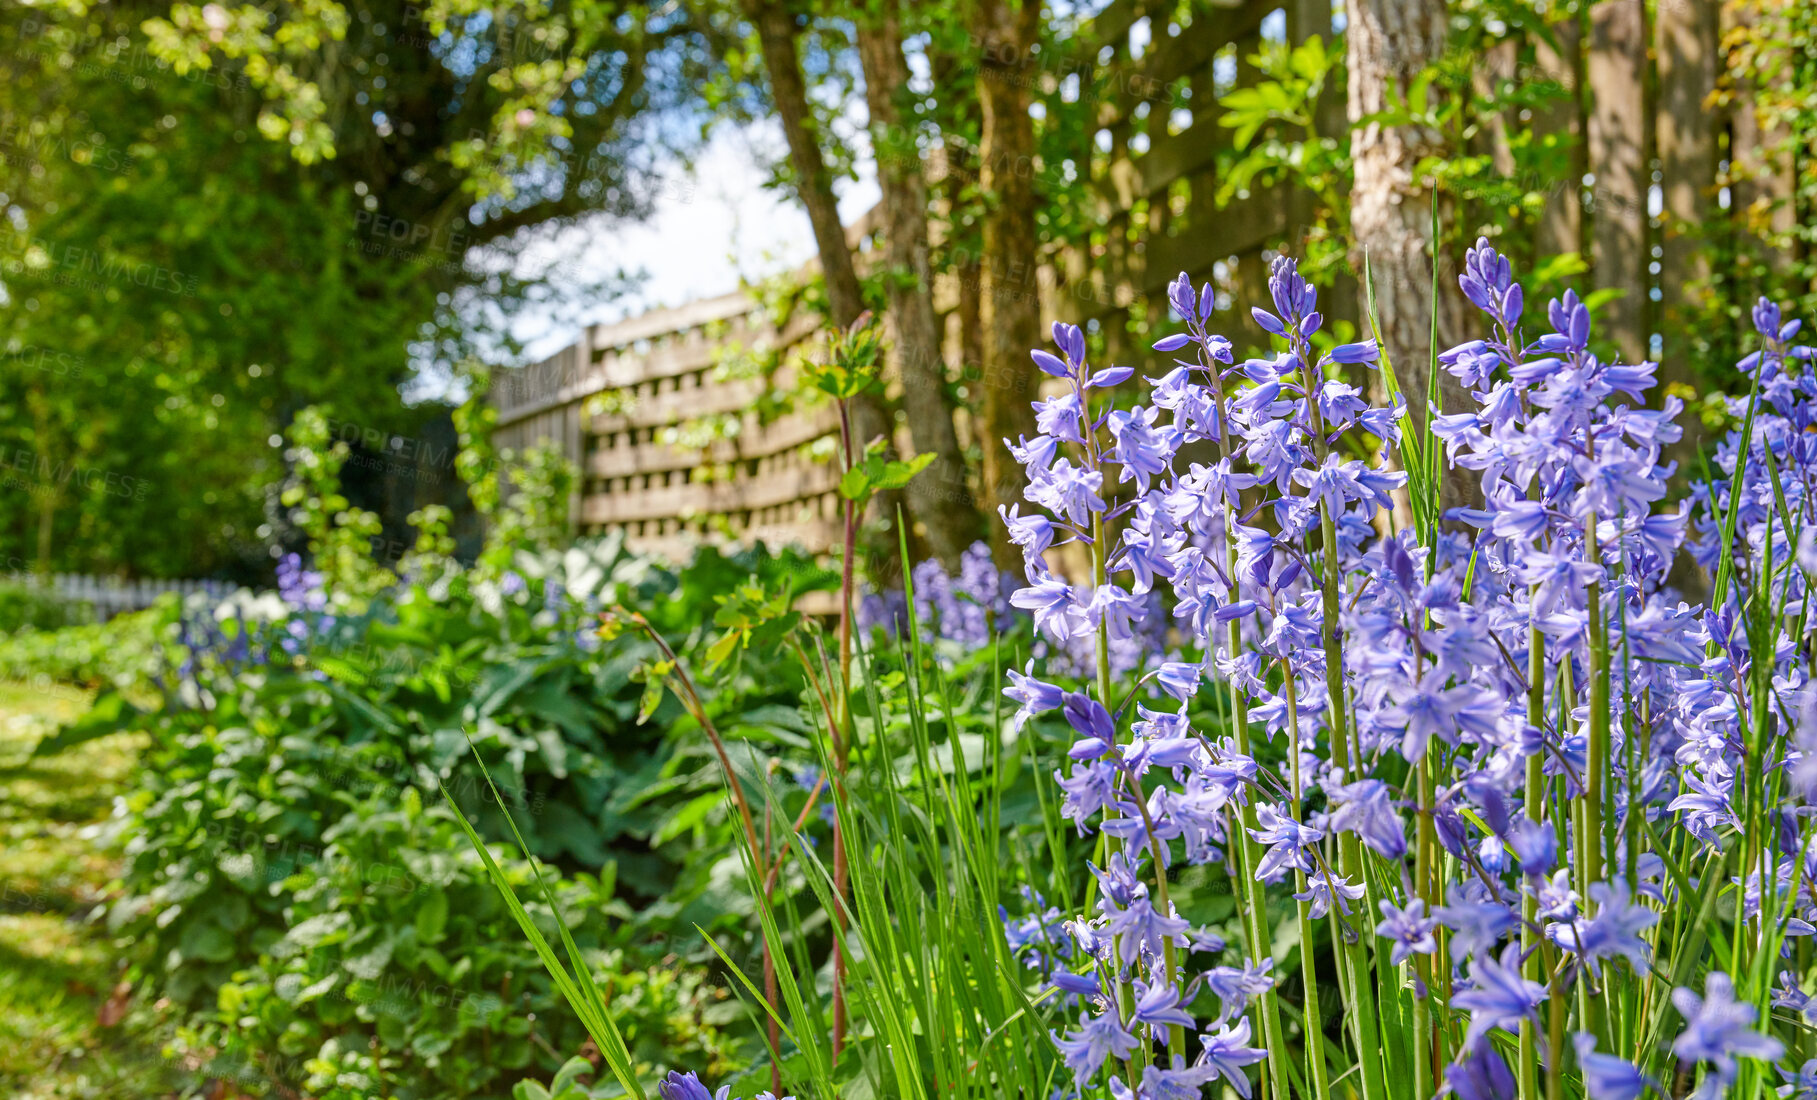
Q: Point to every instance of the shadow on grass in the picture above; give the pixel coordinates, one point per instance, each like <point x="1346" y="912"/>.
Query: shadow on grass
<point x="57" y="969"/>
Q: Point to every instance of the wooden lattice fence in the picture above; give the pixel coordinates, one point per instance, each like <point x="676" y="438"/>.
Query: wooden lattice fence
<point x="615" y="398"/>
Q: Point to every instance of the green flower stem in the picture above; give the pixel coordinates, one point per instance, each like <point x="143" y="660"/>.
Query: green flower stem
<point x="1169" y="951"/>
<point x="1535" y="805"/>
<point x="1593" y="841"/>
<point x="1312" y="1020"/>
<point x="1254" y="897"/>
<point x="1425" y="1035"/>
<point x="1255" y="906"/>
<point x="1353" y="956"/>
<point x="1127" y="994"/>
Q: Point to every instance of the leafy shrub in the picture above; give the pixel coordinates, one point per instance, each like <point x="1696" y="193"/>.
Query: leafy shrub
<point x="32" y="607"/>
<point x="121" y="653"/>
<point x="391" y="978"/>
<point x="297" y="886"/>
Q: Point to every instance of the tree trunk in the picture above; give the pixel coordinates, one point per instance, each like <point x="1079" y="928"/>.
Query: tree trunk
<point x="1561" y="227"/>
<point x="776" y="33"/>
<point x="813" y="183"/>
<point x="1765" y="184"/>
<point x="957" y="179"/>
<point x="50" y="493"/>
<point x="1686" y="49"/>
<point x="938" y="497"/>
<point x="1389" y="43"/>
<point x="1618" y="159"/>
<point x="1010" y="305"/>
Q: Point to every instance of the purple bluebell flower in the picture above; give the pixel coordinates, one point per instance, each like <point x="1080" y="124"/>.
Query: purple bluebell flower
<point x="1054" y="606"/>
<point x="1367" y="809"/>
<point x="1088" y="718"/>
<point x="687" y="1086"/>
<point x="1179" y="679"/>
<point x="1535" y="846"/>
<point x="1480" y="1075"/>
<point x="1032" y="696"/>
<point x="1068" y="491"/>
<point x="1498" y="996"/>
<point x="1286" y="840"/>
<point x="1799" y="1085"/>
<point x="1719" y="1029"/>
<point x="1089" y="790"/>
<point x="1607" y="1077"/>
<point x="1141" y="927"/>
<point x="1236" y="985"/>
<point x="1476" y="926"/>
<point x="1085" y="1051"/>
<point x="1227" y="1051"/>
<point x="1613" y="931"/>
<point x="1325" y="890"/>
<point x="1079" y="985"/>
<point x="1410" y="929"/>
<point x="1158" y="1006"/>
<point x="1050" y="363"/>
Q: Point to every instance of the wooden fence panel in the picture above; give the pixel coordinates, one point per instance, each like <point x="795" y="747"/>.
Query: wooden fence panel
<point x="623" y="402"/>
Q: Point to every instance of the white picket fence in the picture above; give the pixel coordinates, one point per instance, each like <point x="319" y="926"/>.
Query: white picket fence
<point x="110" y="596"/>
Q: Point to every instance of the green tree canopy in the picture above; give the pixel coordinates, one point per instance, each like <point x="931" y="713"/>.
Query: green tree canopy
<point x="218" y="215"/>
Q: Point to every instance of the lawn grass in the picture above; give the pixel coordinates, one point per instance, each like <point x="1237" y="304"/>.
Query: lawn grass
<point x="57" y="965"/>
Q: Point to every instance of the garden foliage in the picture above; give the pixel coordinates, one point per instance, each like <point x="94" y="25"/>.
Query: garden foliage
<point x="1501" y="811"/>
<point x="296" y="885"/>
<point x="1297" y="783"/>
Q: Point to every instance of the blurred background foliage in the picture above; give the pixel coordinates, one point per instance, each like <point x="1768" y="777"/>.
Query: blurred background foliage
<point x="219" y="214"/>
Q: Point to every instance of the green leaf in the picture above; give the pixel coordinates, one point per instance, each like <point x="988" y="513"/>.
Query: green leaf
<point x="432" y="917"/>
<point x="652" y="698"/>
<point x="898" y="474"/>
<point x="689" y="815"/>
<point x="204" y="939"/>
<point x="724" y="646"/>
<point x="1419" y="94"/>
<point x="570" y="1074"/>
<point x="577" y="987"/>
<point x="855" y="484"/>
<point x="109" y="714"/>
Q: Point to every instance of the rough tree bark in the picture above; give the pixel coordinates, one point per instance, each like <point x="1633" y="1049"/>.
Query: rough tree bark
<point x="938" y="498"/>
<point x="1764" y="205"/>
<point x="1389" y="43"/>
<point x="957" y="180"/>
<point x="1617" y="133"/>
<point x="1686" y="46"/>
<point x="1561" y="227"/>
<point x="776" y="34"/>
<point x="1009" y="306"/>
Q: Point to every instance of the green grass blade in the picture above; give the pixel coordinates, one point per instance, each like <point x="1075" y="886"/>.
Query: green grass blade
<point x="582" y="996"/>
